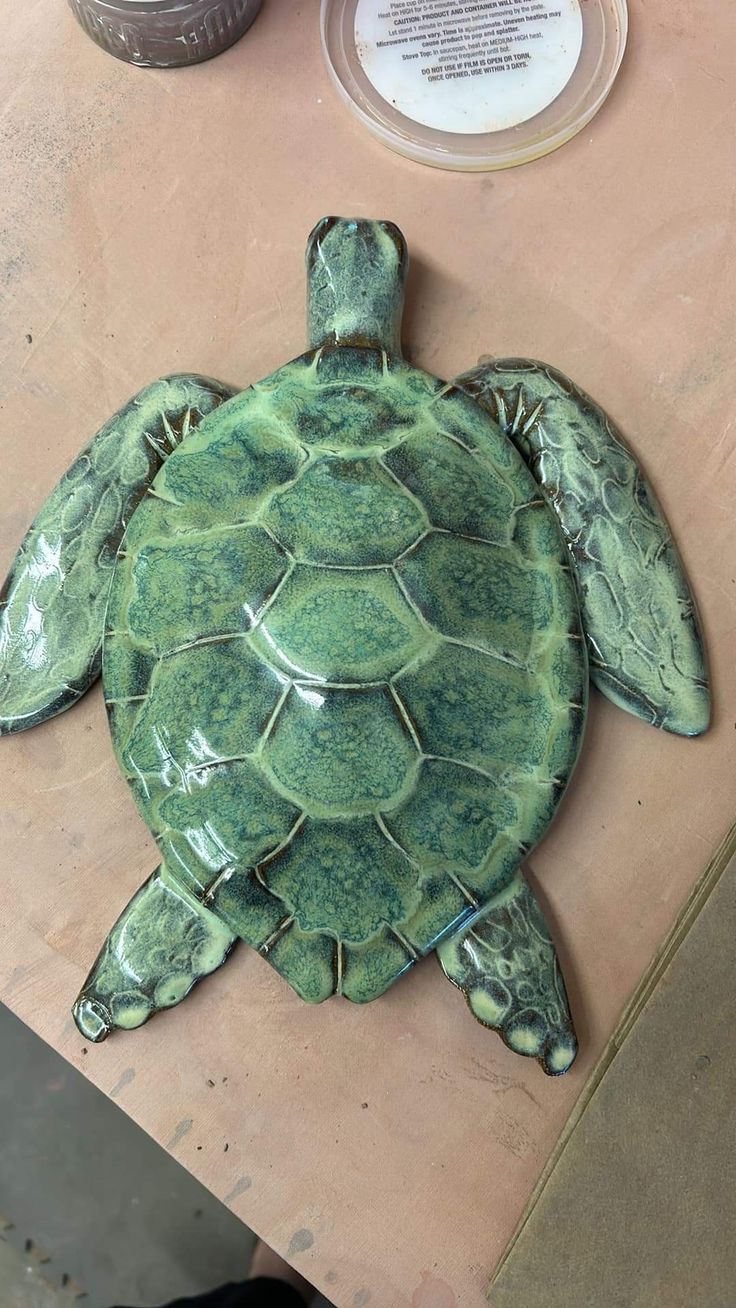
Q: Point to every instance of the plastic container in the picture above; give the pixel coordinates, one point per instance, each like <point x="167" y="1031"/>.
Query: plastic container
<point x="474" y="86"/>
<point x="165" y="33"/>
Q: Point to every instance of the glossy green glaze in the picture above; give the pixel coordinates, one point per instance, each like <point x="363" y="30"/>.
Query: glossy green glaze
<point x="162" y="944"/>
<point x="345" y="672"/>
<point x="644" y="640"/>
<point x="355" y="293"/>
<point x="52" y="605"/>
<point x="507" y="967"/>
<point x="342" y="720"/>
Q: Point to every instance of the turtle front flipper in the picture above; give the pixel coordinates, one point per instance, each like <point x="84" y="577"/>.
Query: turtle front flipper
<point x="644" y="639"/>
<point x="52" y="605"/>
<point x="506" y="965"/>
<point x="161" y="945"/>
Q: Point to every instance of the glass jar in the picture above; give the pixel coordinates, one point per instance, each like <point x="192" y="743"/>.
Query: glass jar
<point x="165" y="33"/>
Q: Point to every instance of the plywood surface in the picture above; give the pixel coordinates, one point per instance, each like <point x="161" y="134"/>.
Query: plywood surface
<point x="153" y="222"/>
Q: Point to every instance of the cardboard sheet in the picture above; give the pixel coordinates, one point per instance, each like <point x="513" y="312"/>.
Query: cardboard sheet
<point x="640" y="1206"/>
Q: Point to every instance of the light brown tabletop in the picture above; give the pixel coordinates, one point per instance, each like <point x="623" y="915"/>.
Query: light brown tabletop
<point x="155" y="221"/>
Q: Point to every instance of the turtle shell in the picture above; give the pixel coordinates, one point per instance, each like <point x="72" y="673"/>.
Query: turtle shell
<point x="344" y="666"/>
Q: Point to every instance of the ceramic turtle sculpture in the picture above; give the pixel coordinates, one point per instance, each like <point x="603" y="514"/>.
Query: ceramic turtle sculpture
<point x="347" y="619"/>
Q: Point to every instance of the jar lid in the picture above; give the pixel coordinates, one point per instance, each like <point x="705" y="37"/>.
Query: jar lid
<point x="474" y="86"/>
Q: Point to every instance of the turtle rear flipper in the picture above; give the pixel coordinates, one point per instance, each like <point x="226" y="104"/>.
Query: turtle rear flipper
<point x="161" y="945"/>
<point x="52" y="605"/>
<point x="506" y="965"/>
<point x="645" y="644"/>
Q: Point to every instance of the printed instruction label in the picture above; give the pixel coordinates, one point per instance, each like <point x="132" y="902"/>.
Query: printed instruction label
<point x="469" y="67"/>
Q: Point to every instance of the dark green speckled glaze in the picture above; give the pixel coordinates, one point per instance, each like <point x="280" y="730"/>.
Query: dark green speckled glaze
<point x="346" y="678"/>
<point x="632" y="586"/>
<point x="52" y="606"/>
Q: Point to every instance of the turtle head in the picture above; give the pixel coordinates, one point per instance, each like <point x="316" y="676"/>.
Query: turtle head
<point x="356" y="268"/>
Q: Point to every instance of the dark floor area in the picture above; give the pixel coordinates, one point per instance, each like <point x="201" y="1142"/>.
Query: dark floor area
<point x="89" y="1203"/>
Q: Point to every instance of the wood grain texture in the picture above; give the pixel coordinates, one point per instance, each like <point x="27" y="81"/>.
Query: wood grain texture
<point x="154" y="222"/>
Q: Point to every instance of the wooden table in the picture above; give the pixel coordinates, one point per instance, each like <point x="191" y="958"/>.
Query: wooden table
<point x="153" y="222"/>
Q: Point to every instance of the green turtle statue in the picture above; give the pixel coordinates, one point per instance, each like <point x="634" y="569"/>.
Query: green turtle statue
<point x="346" y="621"/>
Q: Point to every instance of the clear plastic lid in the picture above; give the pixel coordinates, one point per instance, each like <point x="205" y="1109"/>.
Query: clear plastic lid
<point x="481" y="85"/>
